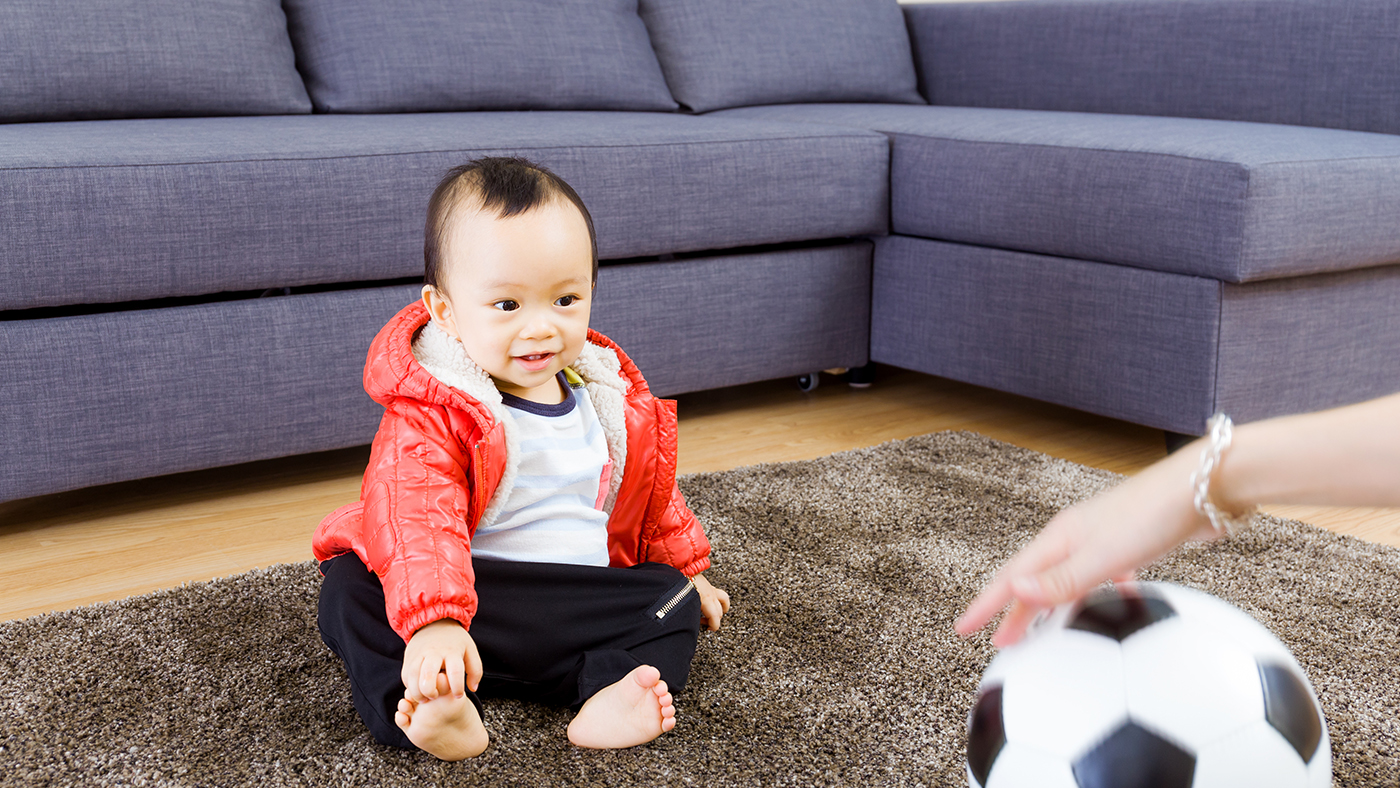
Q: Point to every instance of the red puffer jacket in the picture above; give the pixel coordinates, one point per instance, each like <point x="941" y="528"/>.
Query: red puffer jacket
<point x="438" y="459"/>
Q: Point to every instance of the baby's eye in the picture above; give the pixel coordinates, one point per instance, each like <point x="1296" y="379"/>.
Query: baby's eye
<point x="506" y="305"/>
<point x="566" y="300"/>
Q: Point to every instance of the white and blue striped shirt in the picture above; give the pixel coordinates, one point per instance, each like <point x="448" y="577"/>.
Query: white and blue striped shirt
<point x="554" y="512"/>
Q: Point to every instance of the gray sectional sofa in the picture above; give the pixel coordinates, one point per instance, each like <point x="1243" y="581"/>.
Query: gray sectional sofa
<point x="1149" y="209"/>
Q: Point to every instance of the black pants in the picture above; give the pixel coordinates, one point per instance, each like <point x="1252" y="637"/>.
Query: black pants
<point x="553" y="633"/>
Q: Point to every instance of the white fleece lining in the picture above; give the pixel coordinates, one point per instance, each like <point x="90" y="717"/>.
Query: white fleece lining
<point x="445" y="359"/>
<point x="602" y="377"/>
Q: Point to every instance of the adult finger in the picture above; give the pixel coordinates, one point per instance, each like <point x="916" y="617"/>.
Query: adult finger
<point x="982" y="608"/>
<point x="1013" y="626"/>
<point x="1050" y="546"/>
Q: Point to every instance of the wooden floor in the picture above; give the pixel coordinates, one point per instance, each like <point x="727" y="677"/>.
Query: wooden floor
<point x="70" y="549"/>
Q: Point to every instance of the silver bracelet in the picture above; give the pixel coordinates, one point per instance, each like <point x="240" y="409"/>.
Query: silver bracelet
<point x="1222" y="432"/>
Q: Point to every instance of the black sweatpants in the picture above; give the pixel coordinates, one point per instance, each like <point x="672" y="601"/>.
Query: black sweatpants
<point x="553" y="633"/>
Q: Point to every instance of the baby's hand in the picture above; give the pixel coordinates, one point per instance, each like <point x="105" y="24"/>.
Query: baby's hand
<point x="440" y="647"/>
<point x="714" y="602"/>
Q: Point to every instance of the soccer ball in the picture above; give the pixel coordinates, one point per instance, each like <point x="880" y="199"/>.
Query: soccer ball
<point x="1147" y="685"/>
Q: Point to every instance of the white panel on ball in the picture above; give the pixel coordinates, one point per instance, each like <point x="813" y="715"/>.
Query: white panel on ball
<point x="1069" y="696"/>
<point x="1186" y="683"/>
<point x="1019" y="765"/>
<point x="1256" y="757"/>
<point x="1232" y="624"/>
<point x="1320" y="770"/>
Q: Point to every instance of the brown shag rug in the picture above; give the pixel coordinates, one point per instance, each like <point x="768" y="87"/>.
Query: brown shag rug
<point x="837" y="666"/>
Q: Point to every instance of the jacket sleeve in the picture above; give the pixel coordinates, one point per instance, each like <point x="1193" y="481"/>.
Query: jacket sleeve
<point x="674" y="535"/>
<point x="416" y="535"/>
<point x="679" y="539"/>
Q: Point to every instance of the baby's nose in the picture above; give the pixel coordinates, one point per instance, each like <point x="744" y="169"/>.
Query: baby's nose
<point x="540" y="327"/>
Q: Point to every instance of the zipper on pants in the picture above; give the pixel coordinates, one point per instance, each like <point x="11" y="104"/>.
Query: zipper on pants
<point x="675" y="600"/>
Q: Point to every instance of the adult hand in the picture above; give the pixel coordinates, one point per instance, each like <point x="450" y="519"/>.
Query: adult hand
<point x="440" y="647"/>
<point x="714" y="602"/>
<point x="1106" y="537"/>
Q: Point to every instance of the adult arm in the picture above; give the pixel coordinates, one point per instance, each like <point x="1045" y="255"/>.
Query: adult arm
<point x="1347" y="456"/>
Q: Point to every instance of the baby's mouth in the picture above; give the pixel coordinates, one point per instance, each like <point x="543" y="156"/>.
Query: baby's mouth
<point x="535" y="361"/>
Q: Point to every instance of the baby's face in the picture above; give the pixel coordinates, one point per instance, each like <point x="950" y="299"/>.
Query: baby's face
<point x="519" y="292"/>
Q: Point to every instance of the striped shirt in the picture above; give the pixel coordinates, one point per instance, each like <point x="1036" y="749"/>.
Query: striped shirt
<point x="554" y="513"/>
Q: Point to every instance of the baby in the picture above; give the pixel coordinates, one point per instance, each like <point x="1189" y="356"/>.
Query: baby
<point x="519" y="532"/>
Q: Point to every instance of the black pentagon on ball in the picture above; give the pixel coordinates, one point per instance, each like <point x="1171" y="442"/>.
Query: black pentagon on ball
<point x="1290" y="709"/>
<point x="985" y="733"/>
<point x="1118" y="611"/>
<point x="1134" y="757"/>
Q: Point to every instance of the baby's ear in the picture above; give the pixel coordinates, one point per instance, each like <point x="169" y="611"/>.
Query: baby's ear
<point x="439" y="309"/>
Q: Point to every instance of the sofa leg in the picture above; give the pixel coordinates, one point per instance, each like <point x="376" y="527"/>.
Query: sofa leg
<point x="1175" y="440"/>
<point x="861" y="377"/>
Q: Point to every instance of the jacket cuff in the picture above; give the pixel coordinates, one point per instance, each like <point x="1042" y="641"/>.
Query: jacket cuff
<point x="696" y="567"/>
<point x="410" y="624"/>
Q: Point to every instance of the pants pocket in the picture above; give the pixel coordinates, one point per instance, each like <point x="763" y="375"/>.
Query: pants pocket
<point x="675" y="596"/>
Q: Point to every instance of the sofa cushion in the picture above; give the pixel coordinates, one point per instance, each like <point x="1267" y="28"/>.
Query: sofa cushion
<point x="732" y="53"/>
<point x="691" y="324"/>
<point x="437" y="55"/>
<point x="1229" y="200"/>
<point x="1160" y="349"/>
<point x="1122" y="342"/>
<point x="77" y="59"/>
<point x="1330" y="63"/>
<point x="137" y="209"/>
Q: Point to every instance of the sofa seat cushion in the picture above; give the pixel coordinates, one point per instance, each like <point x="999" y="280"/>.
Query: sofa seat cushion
<point x="82" y="59"/>
<point x="1229" y="200"/>
<point x="113" y="211"/>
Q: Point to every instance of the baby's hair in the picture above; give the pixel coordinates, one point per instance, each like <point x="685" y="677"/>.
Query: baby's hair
<point x="507" y="185"/>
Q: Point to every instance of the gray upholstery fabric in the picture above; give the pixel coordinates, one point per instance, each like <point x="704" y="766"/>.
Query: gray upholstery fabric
<point x="1159" y="349"/>
<point x="75" y="59"/>
<point x="110" y="397"/>
<point x="704" y="323"/>
<point x="1297" y="345"/>
<point x="182" y="207"/>
<point x="1122" y="342"/>
<point x="731" y="53"/>
<point x="1229" y="200"/>
<point x="1332" y="63"/>
<point x="436" y="55"/>
<point x="126" y="395"/>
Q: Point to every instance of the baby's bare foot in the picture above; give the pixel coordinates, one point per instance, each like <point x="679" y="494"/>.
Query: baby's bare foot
<point x="446" y="726"/>
<point x="633" y="711"/>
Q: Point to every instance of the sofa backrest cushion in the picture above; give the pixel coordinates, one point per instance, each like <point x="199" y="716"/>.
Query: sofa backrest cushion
<point x="1328" y="63"/>
<point x="734" y="53"/>
<point x="88" y="59"/>
<point x="455" y="55"/>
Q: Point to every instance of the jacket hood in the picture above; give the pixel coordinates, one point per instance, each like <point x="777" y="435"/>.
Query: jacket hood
<point x="412" y="358"/>
<point x="395" y="365"/>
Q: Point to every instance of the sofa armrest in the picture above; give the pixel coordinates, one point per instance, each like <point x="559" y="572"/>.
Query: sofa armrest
<point x="1330" y="63"/>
